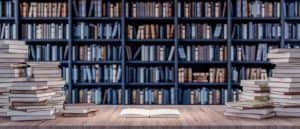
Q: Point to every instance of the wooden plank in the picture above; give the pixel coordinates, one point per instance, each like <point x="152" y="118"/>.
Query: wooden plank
<point x="192" y="117"/>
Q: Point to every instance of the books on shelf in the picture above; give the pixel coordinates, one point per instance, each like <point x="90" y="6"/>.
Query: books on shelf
<point x="202" y="9"/>
<point x="292" y="8"/>
<point x="257" y="8"/>
<point x="43" y="9"/>
<point x="83" y="30"/>
<point x="95" y="52"/>
<point x="214" y="75"/>
<point x="251" y="52"/>
<point x="291" y="30"/>
<point x="284" y="83"/>
<point x="48" y="52"/>
<point x="206" y="96"/>
<point x="79" y="110"/>
<point x="249" y="73"/>
<point x="97" y="8"/>
<point x="150" y="53"/>
<point x="202" y="53"/>
<point x="7" y="8"/>
<point x="202" y="31"/>
<point x="256" y="31"/>
<point x="250" y="109"/>
<point x="149" y="9"/>
<point x="153" y="113"/>
<point x="154" y="74"/>
<point x="97" y="73"/>
<point x="8" y="31"/>
<point x="45" y="31"/>
<point x="150" y="31"/>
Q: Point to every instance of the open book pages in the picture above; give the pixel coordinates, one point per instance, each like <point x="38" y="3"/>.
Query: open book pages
<point x="144" y="113"/>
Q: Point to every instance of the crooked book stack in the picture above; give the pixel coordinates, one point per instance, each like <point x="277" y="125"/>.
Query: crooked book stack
<point x="51" y="73"/>
<point x="285" y="81"/>
<point x="254" y="102"/>
<point x="11" y="52"/>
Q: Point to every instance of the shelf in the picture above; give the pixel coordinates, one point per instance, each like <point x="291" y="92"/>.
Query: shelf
<point x="54" y="19"/>
<point x="292" y="40"/>
<point x="202" y="62"/>
<point x="240" y="41"/>
<point x="202" y="84"/>
<point x="256" y="19"/>
<point x="202" y="41"/>
<point x="203" y="19"/>
<point x="95" y="62"/>
<point x="251" y="63"/>
<point x="292" y="19"/>
<point x="150" y="62"/>
<point x="150" y="40"/>
<point x="152" y="84"/>
<point x="46" y="41"/>
<point x="141" y="19"/>
<point x="10" y="19"/>
<point x="97" y="40"/>
<point x="88" y="85"/>
<point x="96" y="19"/>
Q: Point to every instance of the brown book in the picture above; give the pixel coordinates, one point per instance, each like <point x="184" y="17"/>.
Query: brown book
<point x="42" y="103"/>
<point x="79" y="114"/>
<point x="31" y="91"/>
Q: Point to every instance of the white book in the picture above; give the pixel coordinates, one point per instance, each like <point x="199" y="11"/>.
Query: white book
<point x="36" y="113"/>
<point x="283" y="55"/>
<point x="33" y="95"/>
<point x="28" y="87"/>
<point x="37" y="99"/>
<point x="251" y="116"/>
<point x="79" y="111"/>
<point x="284" y="100"/>
<point x="30" y="118"/>
<point x="283" y="85"/>
<point x="290" y="110"/>
<point x="250" y="111"/>
<point x="285" y="96"/>
<point x="274" y="79"/>
<point x="145" y="113"/>
<point x="288" y="114"/>
<point x="290" y="89"/>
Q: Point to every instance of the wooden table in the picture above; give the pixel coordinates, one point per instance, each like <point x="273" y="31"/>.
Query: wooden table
<point x="192" y="117"/>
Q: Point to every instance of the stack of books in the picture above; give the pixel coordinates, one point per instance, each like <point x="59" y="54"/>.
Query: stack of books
<point x="79" y="110"/>
<point x="51" y="73"/>
<point x="30" y="100"/>
<point x="254" y="102"/>
<point x="285" y="81"/>
<point x="256" y="90"/>
<point x="11" y="52"/>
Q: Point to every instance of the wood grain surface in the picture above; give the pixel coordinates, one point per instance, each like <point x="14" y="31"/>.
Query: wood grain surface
<point x="192" y="117"/>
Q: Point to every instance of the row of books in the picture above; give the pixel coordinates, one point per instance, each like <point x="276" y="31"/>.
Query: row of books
<point x="249" y="73"/>
<point x="292" y="8"/>
<point x="251" y="52"/>
<point x="256" y="8"/>
<point x="83" y="30"/>
<point x="150" y="53"/>
<point x="148" y="96"/>
<point x="252" y="30"/>
<point x="153" y="74"/>
<point x="48" y="52"/>
<point x="43" y="9"/>
<point x="96" y="52"/>
<point x="202" y="53"/>
<point x="97" y="8"/>
<point x="45" y="31"/>
<point x="150" y="9"/>
<point x="7" y="31"/>
<point x="150" y="31"/>
<point x="202" y="8"/>
<point x="203" y="31"/>
<point x="189" y="74"/>
<point x="96" y="73"/>
<point x="7" y="8"/>
<point x="292" y="30"/>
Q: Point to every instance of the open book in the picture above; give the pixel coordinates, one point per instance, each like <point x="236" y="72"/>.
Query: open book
<point x="142" y="113"/>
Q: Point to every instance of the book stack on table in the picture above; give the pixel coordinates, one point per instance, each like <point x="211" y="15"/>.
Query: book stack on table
<point x="254" y="101"/>
<point x="285" y="81"/>
<point x="79" y="110"/>
<point x="11" y="52"/>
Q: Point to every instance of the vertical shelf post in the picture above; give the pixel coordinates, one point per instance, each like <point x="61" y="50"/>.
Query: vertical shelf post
<point x="229" y="43"/>
<point x="123" y="50"/>
<point x="176" y="90"/>
<point x="70" y="72"/>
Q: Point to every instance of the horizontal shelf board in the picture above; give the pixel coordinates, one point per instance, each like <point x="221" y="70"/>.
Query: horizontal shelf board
<point x="97" y="40"/>
<point x="149" y="40"/>
<point x="292" y="18"/>
<point x="202" y="62"/>
<point x="151" y="62"/>
<point x="96" y="62"/>
<point x="257" y="19"/>
<point x="150" y="84"/>
<point x="83" y="84"/>
<point x="292" y="40"/>
<point x="256" y="40"/>
<point x="46" y="41"/>
<point x="202" y="84"/>
<point x="96" y="18"/>
<point x="251" y="63"/>
<point x="44" y="18"/>
<point x="7" y="18"/>
<point x="150" y="18"/>
<point x="202" y="41"/>
<point x="197" y="19"/>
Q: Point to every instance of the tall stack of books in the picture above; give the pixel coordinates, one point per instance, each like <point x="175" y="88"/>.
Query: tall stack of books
<point x="254" y="102"/>
<point x="285" y="81"/>
<point x="30" y="100"/>
<point x="11" y="52"/>
<point x="51" y="73"/>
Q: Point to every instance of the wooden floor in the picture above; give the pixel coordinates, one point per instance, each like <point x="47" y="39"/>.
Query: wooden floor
<point x="192" y="117"/>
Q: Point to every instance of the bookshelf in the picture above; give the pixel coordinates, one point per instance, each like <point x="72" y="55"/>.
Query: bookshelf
<point x="229" y="19"/>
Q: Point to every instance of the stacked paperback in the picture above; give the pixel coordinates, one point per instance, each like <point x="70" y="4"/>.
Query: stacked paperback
<point x="79" y="110"/>
<point x="11" y="52"/>
<point x="254" y="102"/>
<point x="285" y="81"/>
<point x="51" y="73"/>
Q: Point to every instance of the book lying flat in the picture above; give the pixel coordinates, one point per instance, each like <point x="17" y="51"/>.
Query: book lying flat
<point x="30" y="118"/>
<point x="251" y="116"/>
<point x="290" y="110"/>
<point x="263" y="111"/>
<point x="149" y="113"/>
<point x="79" y="111"/>
<point x="288" y="114"/>
<point x="250" y="104"/>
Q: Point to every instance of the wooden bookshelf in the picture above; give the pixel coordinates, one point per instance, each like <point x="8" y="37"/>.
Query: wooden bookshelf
<point x="175" y="20"/>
